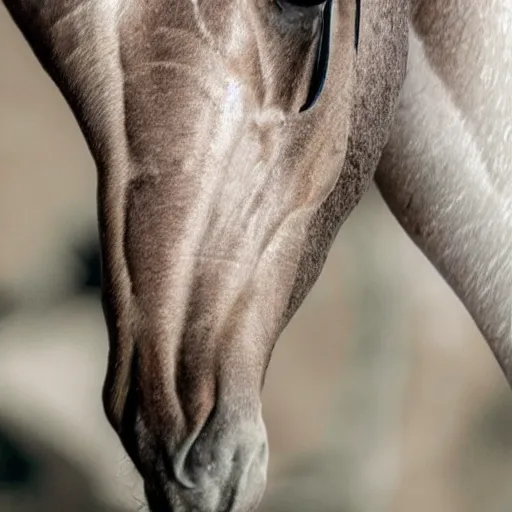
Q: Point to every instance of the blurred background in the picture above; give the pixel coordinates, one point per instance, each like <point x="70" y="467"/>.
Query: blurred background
<point x="381" y="395"/>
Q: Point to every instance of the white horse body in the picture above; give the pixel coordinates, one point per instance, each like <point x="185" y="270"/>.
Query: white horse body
<point x="447" y="170"/>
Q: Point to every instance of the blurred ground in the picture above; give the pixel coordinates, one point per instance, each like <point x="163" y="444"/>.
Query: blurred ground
<point x="381" y="395"/>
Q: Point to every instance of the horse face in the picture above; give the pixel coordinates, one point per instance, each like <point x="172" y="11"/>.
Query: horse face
<point x="218" y="200"/>
<point x="223" y="178"/>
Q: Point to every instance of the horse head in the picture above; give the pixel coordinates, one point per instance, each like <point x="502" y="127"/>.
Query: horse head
<point x="232" y="138"/>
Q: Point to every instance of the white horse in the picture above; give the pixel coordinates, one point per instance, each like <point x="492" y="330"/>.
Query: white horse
<point x="232" y="138"/>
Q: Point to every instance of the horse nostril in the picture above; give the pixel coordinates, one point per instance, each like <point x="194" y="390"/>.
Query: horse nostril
<point x="180" y="461"/>
<point x="221" y="467"/>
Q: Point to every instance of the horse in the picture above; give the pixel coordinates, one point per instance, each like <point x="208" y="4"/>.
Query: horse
<point x="232" y="139"/>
